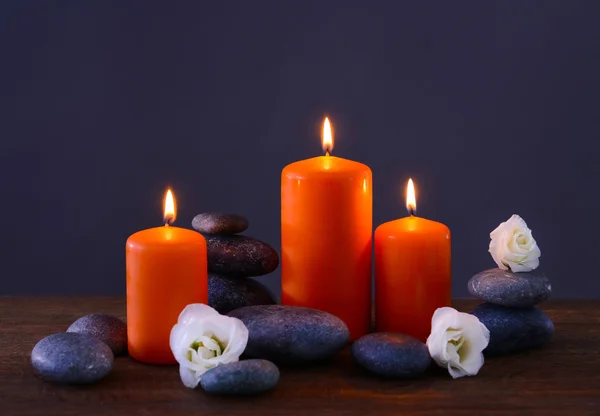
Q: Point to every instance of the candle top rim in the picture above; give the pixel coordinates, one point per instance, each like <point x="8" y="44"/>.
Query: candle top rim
<point x="406" y="223"/>
<point x="325" y="165"/>
<point x="165" y="236"/>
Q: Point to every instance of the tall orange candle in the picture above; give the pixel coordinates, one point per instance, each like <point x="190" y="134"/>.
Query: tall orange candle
<point x="166" y="271"/>
<point x="412" y="272"/>
<point x="326" y="236"/>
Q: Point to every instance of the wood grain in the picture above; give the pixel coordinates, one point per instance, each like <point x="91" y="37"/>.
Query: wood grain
<point x="560" y="379"/>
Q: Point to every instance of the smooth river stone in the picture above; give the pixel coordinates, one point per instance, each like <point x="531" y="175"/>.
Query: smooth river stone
<point x="291" y="334"/>
<point x="219" y="223"/>
<point x="107" y="328"/>
<point x="514" y="329"/>
<point x="517" y="290"/>
<point x="72" y="358"/>
<point x="242" y="378"/>
<point x="240" y="256"/>
<point x="228" y="293"/>
<point x="391" y="354"/>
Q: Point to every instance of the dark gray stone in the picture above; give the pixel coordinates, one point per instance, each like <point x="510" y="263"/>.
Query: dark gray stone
<point x="514" y="329"/>
<point x="108" y="329"/>
<point x="391" y="354"/>
<point x="242" y="378"/>
<point x="219" y="223"/>
<point x="72" y="358"/>
<point x="228" y="293"/>
<point x="291" y="334"/>
<point x="240" y="256"/>
<point x="517" y="290"/>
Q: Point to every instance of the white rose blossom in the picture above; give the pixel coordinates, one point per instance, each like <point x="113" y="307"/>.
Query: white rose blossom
<point x="203" y="339"/>
<point x="513" y="247"/>
<point x="457" y="342"/>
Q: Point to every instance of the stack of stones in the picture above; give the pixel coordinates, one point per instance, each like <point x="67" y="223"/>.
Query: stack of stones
<point x="232" y="262"/>
<point x="509" y="311"/>
<point x="84" y="354"/>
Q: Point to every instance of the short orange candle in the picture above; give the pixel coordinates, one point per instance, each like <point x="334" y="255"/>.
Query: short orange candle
<point x="166" y="271"/>
<point x="412" y="272"/>
<point x="326" y="236"/>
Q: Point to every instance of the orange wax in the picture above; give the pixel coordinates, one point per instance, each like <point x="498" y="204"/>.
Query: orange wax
<point x="326" y="235"/>
<point x="166" y="271"/>
<point x="412" y="274"/>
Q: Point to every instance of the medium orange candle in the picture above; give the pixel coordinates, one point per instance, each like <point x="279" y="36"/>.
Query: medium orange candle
<point x="166" y="271"/>
<point x="412" y="272"/>
<point x="326" y="235"/>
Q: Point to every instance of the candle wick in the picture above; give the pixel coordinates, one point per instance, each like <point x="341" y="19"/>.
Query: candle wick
<point x="326" y="152"/>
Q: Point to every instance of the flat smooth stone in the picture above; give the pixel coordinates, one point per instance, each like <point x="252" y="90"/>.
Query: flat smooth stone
<point x="514" y="329"/>
<point x="503" y="287"/>
<point x="219" y="223"/>
<point x="391" y="354"/>
<point x="72" y="358"/>
<point x="242" y="378"/>
<point x="291" y="334"/>
<point x="107" y="328"/>
<point x="228" y="293"/>
<point x="240" y="256"/>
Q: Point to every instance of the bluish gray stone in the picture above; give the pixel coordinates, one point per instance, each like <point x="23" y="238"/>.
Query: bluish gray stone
<point x="517" y="290"/>
<point x="391" y="354"/>
<point x="240" y="256"/>
<point x="291" y="334"/>
<point x="242" y="378"/>
<point x="514" y="329"/>
<point x="108" y="329"/>
<point x="219" y="223"/>
<point x="228" y="293"/>
<point x="72" y="358"/>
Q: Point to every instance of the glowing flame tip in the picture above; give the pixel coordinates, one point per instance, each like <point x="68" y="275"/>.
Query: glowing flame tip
<point x="411" y="200"/>
<point x="170" y="212"/>
<point x="327" y="136"/>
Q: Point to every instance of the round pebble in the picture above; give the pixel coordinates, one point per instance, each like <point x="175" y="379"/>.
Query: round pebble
<point x="107" y="328"/>
<point x="391" y="354"/>
<point x="240" y="256"/>
<point x="517" y="290"/>
<point x="514" y="329"/>
<point x="242" y="378"/>
<point x="226" y="293"/>
<point x="219" y="223"/>
<point x="72" y="358"/>
<point x="291" y="334"/>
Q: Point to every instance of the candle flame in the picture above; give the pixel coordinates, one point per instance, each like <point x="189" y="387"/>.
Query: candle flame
<point x="170" y="209"/>
<point x="327" y="137"/>
<point x="411" y="200"/>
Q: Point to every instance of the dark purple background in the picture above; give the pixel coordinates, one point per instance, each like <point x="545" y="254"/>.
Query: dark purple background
<point x="491" y="106"/>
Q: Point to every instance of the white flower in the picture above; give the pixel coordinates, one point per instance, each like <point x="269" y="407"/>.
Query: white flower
<point x="203" y="339"/>
<point x="513" y="246"/>
<point x="457" y="341"/>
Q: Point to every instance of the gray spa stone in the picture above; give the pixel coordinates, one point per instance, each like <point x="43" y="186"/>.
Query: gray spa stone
<point x="72" y="358"/>
<point x="242" y="378"/>
<point x="391" y="354"/>
<point x="107" y="328"/>
<point x="228" y="293"/>
<point x="291" y="334"/>
<point x="240" y="256"/>
<point x="517" y="290"/>
<point x="514" y="329"/>
<point x="219" y="223"/>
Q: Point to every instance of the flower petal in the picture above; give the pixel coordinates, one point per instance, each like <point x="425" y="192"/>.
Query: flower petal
<point x="190" y="378"/>
<point x="194" y="313"/>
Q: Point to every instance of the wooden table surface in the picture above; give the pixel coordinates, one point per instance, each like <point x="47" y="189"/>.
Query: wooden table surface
<point x="561" y="379"/>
